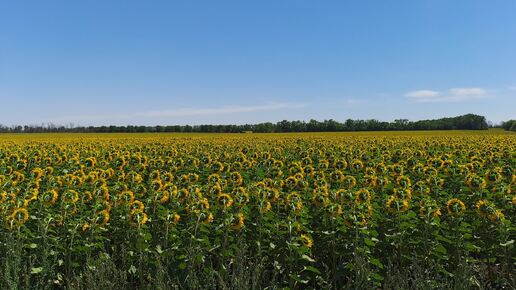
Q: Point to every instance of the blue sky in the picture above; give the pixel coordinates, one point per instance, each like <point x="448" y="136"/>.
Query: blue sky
<point x="101" y="62"/>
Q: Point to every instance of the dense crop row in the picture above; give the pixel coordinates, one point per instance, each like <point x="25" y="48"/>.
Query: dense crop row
<point x="297" y="211"/>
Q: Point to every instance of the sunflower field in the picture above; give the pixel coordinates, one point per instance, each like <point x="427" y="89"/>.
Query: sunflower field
<point x="253" y="211"/>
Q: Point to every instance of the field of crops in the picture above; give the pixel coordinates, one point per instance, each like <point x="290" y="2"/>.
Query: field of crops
<point x="430" y="210"/>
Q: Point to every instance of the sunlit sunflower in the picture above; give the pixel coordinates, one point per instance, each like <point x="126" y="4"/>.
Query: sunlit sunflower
<point x="349" y="181"/>
<point x="103" y="218"/>
<point x="394" y="204"/>
<point x="362" y="196"/>
<point x="70" y="196"/>
<point x="403" y="181"/>
<point x="136" y="206"/>
<point x="138" y="219"/>
<point x="225" y="200"/>
<point x="17" y="218"/>
<point x="455" y="207"/>
<point x="357" y="164"/>
<point x="306" y="241"/>
<point x="237" y="222"/>
<point x="404" y="193"/>
<point x="475" y="182"/>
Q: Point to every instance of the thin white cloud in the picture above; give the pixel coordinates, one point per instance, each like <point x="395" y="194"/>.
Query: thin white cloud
<point x="175" y="113"/>
<point x="422" y="94"/>
<point x="468" y="92"/>
<point x="451" y="95"/>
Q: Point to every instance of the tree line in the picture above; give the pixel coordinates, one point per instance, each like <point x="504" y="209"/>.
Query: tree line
<point x="464" y="122"/>
<point x="509" y="125"/>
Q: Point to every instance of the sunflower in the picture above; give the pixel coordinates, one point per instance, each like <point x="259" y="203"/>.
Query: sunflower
<point x="394" y="204"/>
<point x="421" y="187"/>
<point x="270" y="194"/>
<point x="396" y="169"/>
<point x="214" y="178"/>
<point x="362" y="196"/>
<point x="294" y="202"/>
<point x="265" y="207"/>
<point x="493" y="176"/>
<point x="496" y="216"/>
<point x="340" y="164"/>
<point x="487" y="210"/>
<point x="429" y="207"/>
<point x="381" y="168"/>
<point x="217" y="166"/>
<point x="320" y="198"/>
<point x="291" y="182"/>
<point x="37" y="173"/>
<point x="163" y="196"/>
<point x="193" y="177"/>
<point x="90" y="162"/>
<point x="436" y="162"/>
<point x="237" y="222"/>
<point x="295" y="167"/>
<point x="138" y="219"/>
<point x="455" y="207"/>
<point x="50" y="197"/>
<point x="208" y="218"/>
<point x="126" y="197"/>
<point x="357" y="164"/>
<point x="306" y="241"/>
<point x="182" y="194"/>
<point x="85" y="227"/>
<point x="225" y="200"/>
<point x="336" y="210"/>
<point x="403" y="181"/>
<point x="70" y="196"/>
<point x="240" y="195"/>
<point x="501" y="188"/>
<point x="309" y="170"/>
<point x="175" y="218"/>
<point x="475" y="182"/>
<point x="349" y="181"/>
<point x="236" y="178"/>
<point x="370" y="180"/>
<point x="104" y="191"/>
<point x="3" y="197"/>
<point x="17" y="218"/>
<point x="103" y="217"/>
<point x="156" y="185"/>
<point x="404" y="193"/>
<point x="136" y="206"/>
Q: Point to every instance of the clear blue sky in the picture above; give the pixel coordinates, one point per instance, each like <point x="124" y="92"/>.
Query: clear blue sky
<point x="191" y="62"/>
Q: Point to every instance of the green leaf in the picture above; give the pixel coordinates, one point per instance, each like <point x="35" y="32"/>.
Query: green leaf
<point x="440" y="249"/>
<point x="312" y="269"/>
<point x="411" y="214"/>
<point x="307" y="258"/>
<point x="376" y="262"/>
<point x="376" y="277"/>
<point x="508" y="243"/>
<point x="36" y="270"/>
<point x="369" y="242"/>
<point x="444" y="239"/>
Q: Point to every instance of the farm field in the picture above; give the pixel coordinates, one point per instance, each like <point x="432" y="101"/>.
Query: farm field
<point x="365" y="210"/>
